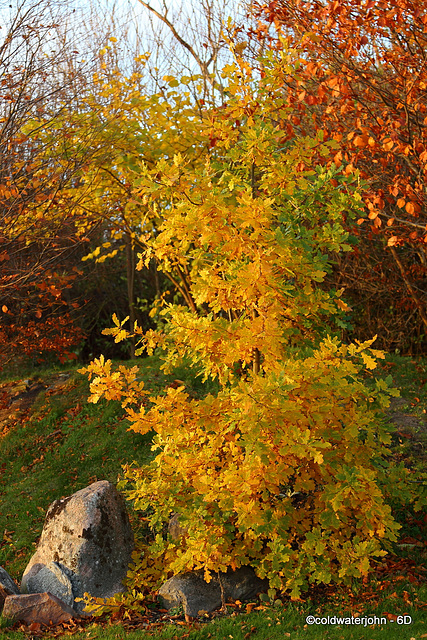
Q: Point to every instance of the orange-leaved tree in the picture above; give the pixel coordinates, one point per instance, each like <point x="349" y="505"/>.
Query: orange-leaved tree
<point x="279" y="468"/>
<point x="363" y="76"/>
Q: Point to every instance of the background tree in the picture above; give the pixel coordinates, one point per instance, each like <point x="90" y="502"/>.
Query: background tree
<point x="95" y="119"/>
<point x="74" y="185"/>
<point x="363" y="75"/>
<point x="31" y="269"/>
<point x="46" y="75"/>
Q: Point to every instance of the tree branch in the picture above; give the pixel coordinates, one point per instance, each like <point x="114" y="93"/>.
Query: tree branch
<point x="203" y="65"/>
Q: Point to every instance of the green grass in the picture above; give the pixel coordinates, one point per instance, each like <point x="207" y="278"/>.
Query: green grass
<point x="66" y="444"/>
<point x="63" y="443"/>
<point x="272" y="623"/>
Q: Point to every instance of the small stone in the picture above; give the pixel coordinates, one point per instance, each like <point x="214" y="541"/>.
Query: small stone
<point x="192" y="592"/>
<point x="42" y="608"/>
<point x="198" y="596"/>
<point x="8" y="586"/>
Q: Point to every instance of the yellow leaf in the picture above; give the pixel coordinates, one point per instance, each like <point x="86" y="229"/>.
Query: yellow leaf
<point x="121" y="335"/>
<point x="369" y="362"/>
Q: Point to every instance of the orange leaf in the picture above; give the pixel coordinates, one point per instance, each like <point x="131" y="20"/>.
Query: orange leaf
<point x="360" y="141"/>
<point x="391" y="616"/>
<point x="338" y="158"/>
<point x="392" y="241"/>
<point x="343" y="306"/>
<point x="410" y="208"/>
<point x="390" y="222"/>
<point x="310" y="100"/>
<point x="4" y="309"/>
<point x="401" y="203"/>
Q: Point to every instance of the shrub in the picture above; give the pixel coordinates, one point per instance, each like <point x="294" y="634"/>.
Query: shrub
<point x="279" y="468"/>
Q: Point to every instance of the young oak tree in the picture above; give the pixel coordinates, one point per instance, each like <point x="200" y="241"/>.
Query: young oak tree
<point x="281" y="469"/>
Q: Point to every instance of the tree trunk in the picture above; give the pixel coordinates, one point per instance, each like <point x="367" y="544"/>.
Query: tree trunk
<point x="410" y="288"/>
<point x="130" y="276"/>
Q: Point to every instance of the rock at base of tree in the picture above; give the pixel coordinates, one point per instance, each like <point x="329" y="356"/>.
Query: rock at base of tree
<point x="89" y="538"/>
<point x="43" y="608"/>
<point x="175" y="530"/>
<point x="51" y="578"/>
<point x="8" y="587"/>
<point x="198" y="596"/>
<point x="242" y="584"/>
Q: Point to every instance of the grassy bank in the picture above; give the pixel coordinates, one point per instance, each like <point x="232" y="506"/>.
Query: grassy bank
<point x="53" y="443"/>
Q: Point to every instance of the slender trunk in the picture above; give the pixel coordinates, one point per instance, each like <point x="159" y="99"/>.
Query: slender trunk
<point x="156" y="277"/>
<point x="185" y="287"/>
<point x="256" y="362"/>
<point x="410" y="288"/>
<point x="130" y="276"/>
<point x="257" y="356"/>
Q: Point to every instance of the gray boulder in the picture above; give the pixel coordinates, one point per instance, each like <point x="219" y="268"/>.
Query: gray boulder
<point x="51" y="578"/>
<point x="43" y="608"/>
<point x="198" y="596"/>
<point x="8" y="587"/>
<point x="86" y="539"/>
<point x="242" y="584"/>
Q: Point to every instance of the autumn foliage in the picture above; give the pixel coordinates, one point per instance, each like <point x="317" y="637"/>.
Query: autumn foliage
<point x="296" y="180"/>
<point x="279" y="469"/>
<point x="70" y="171"/>
<point x="363" y="78"/>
